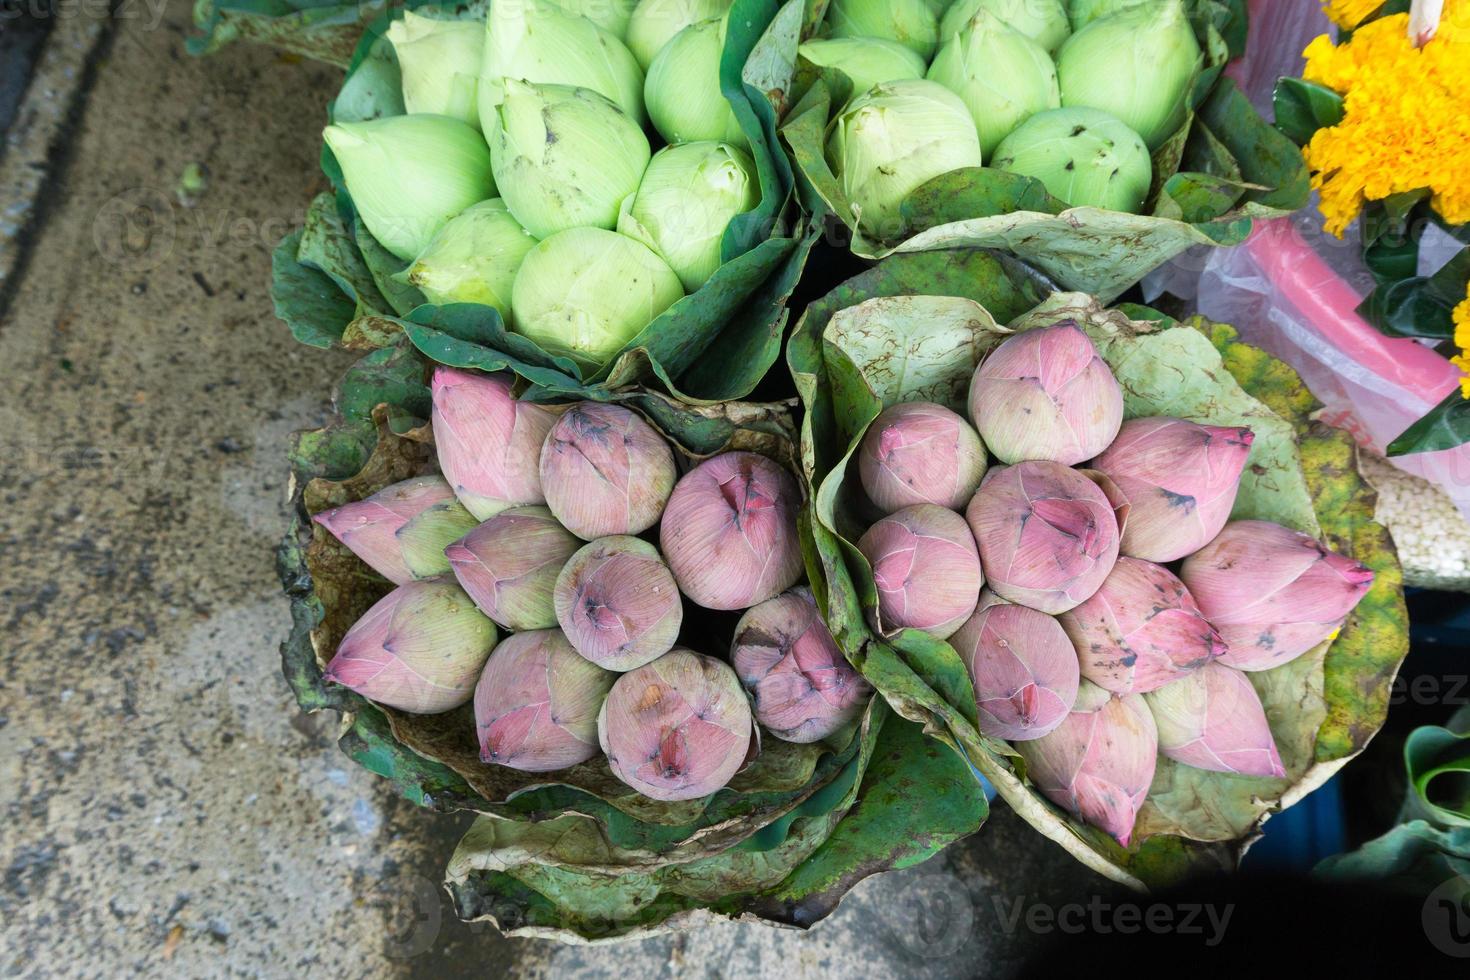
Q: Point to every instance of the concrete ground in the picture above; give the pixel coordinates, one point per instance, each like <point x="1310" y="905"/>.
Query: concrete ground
<point x="164" y="808"/>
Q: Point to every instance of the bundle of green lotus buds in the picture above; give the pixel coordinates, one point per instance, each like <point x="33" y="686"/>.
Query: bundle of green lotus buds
<point x="1106" y="607"/>
<point x="1077" y="95"/>
<point x="570" y="529"/>
<point x="522" y="175"/>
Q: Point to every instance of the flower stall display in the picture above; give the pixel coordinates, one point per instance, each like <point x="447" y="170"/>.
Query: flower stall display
<point x="584" y="621"/>
<point x="1096" y="141"/>
<point x="517" y="189"/>
<point x="1379" y="112"/>
<point x="1173" y="613"/>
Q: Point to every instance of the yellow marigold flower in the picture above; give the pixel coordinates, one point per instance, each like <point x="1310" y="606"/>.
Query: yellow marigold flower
<point x="1404" y="125"/>
<point x="1350" y="13"/>
<point x="1462" y="341"/>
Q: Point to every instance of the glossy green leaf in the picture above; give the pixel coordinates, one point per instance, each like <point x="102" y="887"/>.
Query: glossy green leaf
<point x="1304" y="107"/>
<point x="1444" y="426"/>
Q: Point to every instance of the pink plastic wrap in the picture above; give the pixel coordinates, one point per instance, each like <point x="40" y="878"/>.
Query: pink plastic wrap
<point x="1286" y="299"/>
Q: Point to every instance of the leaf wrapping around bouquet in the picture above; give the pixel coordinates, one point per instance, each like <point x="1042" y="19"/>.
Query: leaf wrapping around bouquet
<point x="898" y="802"/>
<point x="713" y="345"/>
<point x="1224" y="167"/>
<point x="1322" y="707"/>
<point x="605" y="841"/>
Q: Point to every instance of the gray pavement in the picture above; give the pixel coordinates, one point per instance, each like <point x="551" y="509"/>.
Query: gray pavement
<point x="164" y="808"/>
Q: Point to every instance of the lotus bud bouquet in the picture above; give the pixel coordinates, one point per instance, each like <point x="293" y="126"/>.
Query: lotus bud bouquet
<point x="1104" y="554"/>
<point x="1095" y="140"/>
<point x="583" y="194"/>
<point x="587" y="621"/>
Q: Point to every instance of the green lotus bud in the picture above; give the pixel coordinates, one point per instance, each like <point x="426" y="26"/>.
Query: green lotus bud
<point x="565" y="157"/>
<point x="440" y="64"/>
<point x="1043" y="21"/>
<point x="1137" y="64"/>
<point x="408" y="175"/>
<point x="911" y="23"/>
<point x="1084" y="12"/>
<point x="610" y="15"/>
<point x="682" y="91"/>
<point x="687" y="196"/>
<point x="537" y="41"/>
<point x="473" y="258"/>
<point x="867" y="61"/>
<point x="893" y="138"/>
<point x="1084" y="156"/>
<point x="1002" y="75"/>
<point x="584" y="293"/>
<point x="655" y="22"/>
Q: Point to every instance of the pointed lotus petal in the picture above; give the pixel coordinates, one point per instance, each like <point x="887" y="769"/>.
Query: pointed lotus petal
<point x="1046" y="395"/>
<point x="677" y="728"/>
<point x="1213" y="719"/>
<point x="617" y="603"/>
<point x="537" y="701"/>
<point x="1178" y="480"/>
<point x="926" y="568"/>
<point x="605" y="471"/>
<point x="1099" y="762"/>
<point x="489" y="443"/>
<point x="369" y="527"/>
<point x="1048" y="536"/>
<point x="1140" y="630"/>
<point x="802" y="686"/>
<point x="419" y="648"/>
<point x="729" y="531"/>
<point x="509" y="565"/>
<point x="424" y="537"/>
<point x="1273" y="593"/>
<point x="1022" y="665"/>
<point x="920" y="453"/>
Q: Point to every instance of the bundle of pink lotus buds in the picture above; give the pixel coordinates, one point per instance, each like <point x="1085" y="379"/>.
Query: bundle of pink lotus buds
<point x="570" y="528"/>
<point x="1105" y="605"/>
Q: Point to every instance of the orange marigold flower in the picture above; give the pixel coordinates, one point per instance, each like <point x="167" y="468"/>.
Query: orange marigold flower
<point x="1350" y="13"/>
<point x="1404" y="123"/>
<point x="1462" y="341"/>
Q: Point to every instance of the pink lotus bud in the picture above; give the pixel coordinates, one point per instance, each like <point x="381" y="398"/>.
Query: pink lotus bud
<point x="729" y="531"/>
<point x="926" y="569"/>
<point x="1212" y="719"/>
<point x="1046" y="394"/>
<point x="489" y="443"/>
<point x="605" y="471"/>
<point x="677" y="728"/>
<point x="1022" y="665"/>
<point x="1141" y="630"/>
<point x="802" y="685"/>
<point x="1273" y="593"/>
<point x="1047" y="535"/>
<point x="509" y="565"/>
<point x="536" y="703"/>
<point x="419" y="649"/>
<point x="1099" y="762"/>
<point x="1178" y="480"/>
<point x="920" y="453"/>
<point x="377" y="529"/>
<point x="617" y="603"/>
